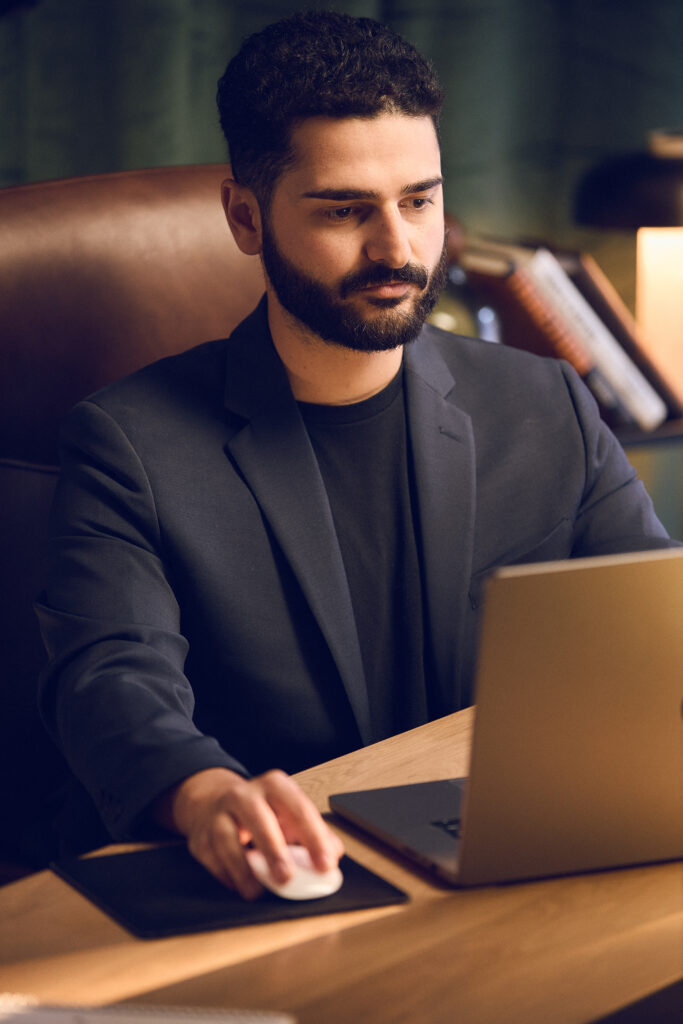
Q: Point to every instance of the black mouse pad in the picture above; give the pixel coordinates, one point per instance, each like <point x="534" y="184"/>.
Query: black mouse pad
<point x="164" y="891"/>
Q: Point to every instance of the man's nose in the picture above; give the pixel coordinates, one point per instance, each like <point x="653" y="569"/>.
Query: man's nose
<point x="388" y="241"/>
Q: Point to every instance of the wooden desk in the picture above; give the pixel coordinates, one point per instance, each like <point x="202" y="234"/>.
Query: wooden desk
<point x="561" y="951"/>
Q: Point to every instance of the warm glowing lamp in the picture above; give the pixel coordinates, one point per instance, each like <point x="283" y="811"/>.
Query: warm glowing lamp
<point x="644" y="192"/>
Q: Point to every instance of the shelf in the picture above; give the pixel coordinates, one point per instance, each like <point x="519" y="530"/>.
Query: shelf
<point x="669" y="432"/>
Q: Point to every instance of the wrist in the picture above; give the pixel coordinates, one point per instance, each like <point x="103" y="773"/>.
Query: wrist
<point x="175" y="808"/>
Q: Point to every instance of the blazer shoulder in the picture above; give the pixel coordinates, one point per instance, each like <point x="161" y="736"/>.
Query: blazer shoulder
<point x="491" y="373"/>
<point x="464" y="353"/>
<point x="199" y="368"/>
<point x="198" y="374"/>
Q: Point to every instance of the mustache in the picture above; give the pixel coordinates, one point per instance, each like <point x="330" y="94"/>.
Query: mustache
<point x="381" y="274"/>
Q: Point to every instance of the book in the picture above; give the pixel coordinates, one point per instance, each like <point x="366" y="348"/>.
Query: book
<point x="529" y="322"/>
<point x="543" y="310"/>
<point x="599" y="291"/>
<point x="590" y="279"/>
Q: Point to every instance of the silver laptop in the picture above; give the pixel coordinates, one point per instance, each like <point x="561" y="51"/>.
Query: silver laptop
<point x="577" y="753"/>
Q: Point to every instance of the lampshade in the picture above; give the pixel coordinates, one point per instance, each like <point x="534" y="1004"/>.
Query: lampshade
<point x="636" y="189"/>
<point x="644" y="192"/>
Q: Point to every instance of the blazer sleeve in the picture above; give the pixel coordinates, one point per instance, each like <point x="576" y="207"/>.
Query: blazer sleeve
<point x="114" y="696"/>
<point x="616" y="513"/>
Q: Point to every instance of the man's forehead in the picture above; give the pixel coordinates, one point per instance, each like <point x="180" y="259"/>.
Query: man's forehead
<point x="363" y="155"/>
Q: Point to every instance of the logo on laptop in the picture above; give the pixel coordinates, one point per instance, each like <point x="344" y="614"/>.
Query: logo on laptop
<point x="449" y="825"/>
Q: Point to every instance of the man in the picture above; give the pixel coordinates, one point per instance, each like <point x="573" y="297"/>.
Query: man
<point x="271" y="549"/>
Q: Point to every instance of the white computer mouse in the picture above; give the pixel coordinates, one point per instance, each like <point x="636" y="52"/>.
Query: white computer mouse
<point x="305" y="884"/>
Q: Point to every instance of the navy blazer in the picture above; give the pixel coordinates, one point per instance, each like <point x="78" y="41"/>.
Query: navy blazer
<point x="197" y="611"/>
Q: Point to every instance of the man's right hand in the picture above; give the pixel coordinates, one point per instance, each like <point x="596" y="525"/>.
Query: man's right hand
<point x="219" y="812"/>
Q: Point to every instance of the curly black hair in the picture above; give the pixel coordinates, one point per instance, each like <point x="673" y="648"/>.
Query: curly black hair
<point x="315" y="63"/>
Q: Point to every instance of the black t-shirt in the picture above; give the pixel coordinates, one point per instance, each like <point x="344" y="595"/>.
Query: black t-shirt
<point x="363" y="454"/>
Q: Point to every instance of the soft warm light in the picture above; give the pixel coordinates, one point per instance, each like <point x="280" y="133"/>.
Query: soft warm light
<point x="659" y="299"/>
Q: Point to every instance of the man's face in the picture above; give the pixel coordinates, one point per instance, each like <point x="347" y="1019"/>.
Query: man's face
<point x="354" y="243"/>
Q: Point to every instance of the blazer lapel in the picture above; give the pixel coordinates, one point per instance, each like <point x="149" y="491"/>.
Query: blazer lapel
<point x="442" y="447"/>
<point x="271" y="447"/>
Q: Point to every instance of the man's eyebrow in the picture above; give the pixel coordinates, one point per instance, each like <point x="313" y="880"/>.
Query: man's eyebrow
<point x="343" y="195"/>
<point x="340" y="194"/>
<point x="422" y="186"/>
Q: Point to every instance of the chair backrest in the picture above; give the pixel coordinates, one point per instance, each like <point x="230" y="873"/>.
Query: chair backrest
<point x="98" y="276"/>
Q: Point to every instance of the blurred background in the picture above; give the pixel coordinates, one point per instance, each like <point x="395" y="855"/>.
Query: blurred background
<point x="538" y="91"/>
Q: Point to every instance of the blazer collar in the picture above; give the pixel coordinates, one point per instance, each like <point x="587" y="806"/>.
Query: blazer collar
<point x="443" y="452"/>
<point x="271" y="447"/>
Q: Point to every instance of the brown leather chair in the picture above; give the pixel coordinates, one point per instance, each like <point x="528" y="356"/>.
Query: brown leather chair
<point x="98" y="276"/>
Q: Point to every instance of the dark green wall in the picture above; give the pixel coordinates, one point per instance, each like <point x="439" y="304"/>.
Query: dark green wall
<point x="536" y="89"/>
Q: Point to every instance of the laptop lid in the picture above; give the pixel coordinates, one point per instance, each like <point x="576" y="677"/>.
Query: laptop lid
<point x="577" y="754"/>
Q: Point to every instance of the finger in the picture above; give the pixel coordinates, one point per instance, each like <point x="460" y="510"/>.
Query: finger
<point x="249" y="807"/>
<point x="219" y="850"/>
<point x="230" y="853"/>
<point x="301" y="821"/>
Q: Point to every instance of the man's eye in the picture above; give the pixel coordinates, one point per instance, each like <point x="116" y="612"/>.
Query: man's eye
<point x="420" y="202"/>
<point x="339" y="213"/>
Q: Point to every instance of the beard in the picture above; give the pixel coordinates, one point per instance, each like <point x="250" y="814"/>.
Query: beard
<point x="321" y="308"/>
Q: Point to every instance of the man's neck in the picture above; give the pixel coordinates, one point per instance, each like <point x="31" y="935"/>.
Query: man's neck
<point x="327" y="374"/>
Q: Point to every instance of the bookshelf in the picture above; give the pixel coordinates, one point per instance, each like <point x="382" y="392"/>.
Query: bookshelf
<point x="669" y="432"/>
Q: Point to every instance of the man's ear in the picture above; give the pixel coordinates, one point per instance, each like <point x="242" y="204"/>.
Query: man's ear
<point x="243" y="215"/>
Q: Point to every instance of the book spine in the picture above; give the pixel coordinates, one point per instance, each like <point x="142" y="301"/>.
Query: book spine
<point x="561" y="341"/>
<point x="566" y="345"/>
<point x="601" y="294"/>
<point x="530" y="322"/>
<point x="633" y="390"/>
